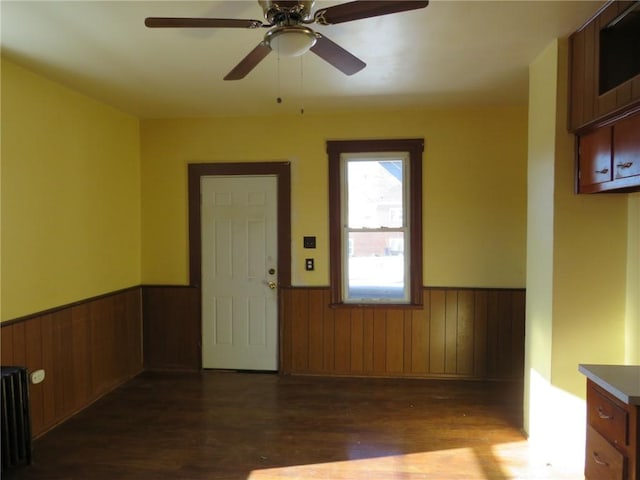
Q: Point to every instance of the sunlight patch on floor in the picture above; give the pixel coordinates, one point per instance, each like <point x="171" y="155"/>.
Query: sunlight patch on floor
<point x="520" y="463"/>
<point x="406" y="467"/>
<point x="504" y="461"/>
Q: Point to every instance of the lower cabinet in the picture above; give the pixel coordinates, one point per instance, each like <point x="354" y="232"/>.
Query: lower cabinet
<point x="612" y="437"/>
<point x="609" y="157"/>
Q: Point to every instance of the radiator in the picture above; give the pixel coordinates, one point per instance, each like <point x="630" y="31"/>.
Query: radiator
<point x="15" y="420"/>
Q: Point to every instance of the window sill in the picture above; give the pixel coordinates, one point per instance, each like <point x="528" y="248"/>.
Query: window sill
<point x="407" y="306"/>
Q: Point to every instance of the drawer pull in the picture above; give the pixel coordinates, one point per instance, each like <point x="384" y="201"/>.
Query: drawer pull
<point x="603" y="415"/>
<point x="598" y="460"/>
<point x="603" y="171"/>
<point x="625" y="165"/>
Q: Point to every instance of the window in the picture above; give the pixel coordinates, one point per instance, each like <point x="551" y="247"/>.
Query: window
<point x="375" y="208"/>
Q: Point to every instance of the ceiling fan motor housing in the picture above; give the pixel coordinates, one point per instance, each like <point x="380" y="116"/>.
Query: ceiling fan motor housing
<point x="287" y="12"/>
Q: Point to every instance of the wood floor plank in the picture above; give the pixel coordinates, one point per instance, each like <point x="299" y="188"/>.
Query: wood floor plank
<point x="246" y="426"/>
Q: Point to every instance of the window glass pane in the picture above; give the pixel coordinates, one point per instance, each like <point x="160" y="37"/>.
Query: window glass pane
<point x="376" y="266"/>
<point x="375" y="193"/>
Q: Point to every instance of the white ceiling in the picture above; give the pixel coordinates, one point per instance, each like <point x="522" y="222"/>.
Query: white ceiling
<point x="450" y="53"/>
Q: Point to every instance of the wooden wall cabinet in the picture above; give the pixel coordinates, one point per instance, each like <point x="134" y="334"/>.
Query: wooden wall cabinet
<point x="609" y="157"/>
<point x="604" y="73"/>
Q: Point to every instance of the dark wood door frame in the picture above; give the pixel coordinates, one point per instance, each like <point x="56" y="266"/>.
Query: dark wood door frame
<point x="282" y="171"/>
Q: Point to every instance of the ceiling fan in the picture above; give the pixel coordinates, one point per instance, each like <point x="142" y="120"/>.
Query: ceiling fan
<point x="288" y="32"/>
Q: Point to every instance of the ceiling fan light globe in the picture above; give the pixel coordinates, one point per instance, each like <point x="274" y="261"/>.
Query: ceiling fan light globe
<point x="291" y="41"/>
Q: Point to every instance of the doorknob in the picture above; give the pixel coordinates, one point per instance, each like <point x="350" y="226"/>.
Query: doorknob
<point x="272" y="285"/>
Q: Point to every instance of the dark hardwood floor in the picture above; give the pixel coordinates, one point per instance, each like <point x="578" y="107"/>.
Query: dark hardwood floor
<point x="240" y="426"/>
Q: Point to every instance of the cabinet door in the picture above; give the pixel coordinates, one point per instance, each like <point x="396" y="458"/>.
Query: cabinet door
<point x="626" y="147"/>
<point x="595" y="157"/>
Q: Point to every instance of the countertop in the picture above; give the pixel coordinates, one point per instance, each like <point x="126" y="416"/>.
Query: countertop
<point x="621" y="381"/>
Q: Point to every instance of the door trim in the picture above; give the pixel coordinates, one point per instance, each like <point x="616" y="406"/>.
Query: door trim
<point x="282" y="171"/>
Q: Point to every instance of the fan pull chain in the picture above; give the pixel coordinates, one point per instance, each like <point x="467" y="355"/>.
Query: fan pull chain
<point x="278" y="98"/>
<point x="301" y="85"/>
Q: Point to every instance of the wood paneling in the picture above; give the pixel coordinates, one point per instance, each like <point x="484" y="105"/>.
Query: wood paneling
<point x="86" y="349"/>
<point x="172" y="329"/>
<point x="577" y="79"/>
<point x="590" y="82"/>
<point x="460" y="333"/>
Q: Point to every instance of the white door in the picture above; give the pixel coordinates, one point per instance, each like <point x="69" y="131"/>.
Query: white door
<point x="239" y="277"/>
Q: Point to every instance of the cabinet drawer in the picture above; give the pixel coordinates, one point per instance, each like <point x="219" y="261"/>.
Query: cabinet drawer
<point x="602" y="460"/>
<point x="603" y="414"/>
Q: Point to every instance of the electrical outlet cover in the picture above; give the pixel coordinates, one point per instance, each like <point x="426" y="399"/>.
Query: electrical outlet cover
<point x="37" y="376"/>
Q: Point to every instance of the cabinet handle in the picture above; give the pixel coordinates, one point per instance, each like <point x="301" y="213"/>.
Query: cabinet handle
<point x="625" y="165"/>
<point x="603" y="415"/>
<point x="598" y="460"/>
<point x="603" y="171"/>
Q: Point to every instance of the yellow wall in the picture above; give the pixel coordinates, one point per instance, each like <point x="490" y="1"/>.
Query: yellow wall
<point x="474" y="186"/>
<point x="541" y="185"/>
<point x="70" y="195"/>
<point x="633" y="282"/>
<point x="578" y="249"/>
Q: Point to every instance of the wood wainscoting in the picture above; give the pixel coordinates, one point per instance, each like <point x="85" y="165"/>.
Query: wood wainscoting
<point x="86" y="350"/>
<point x="90" y="347"/>
<point x="172" y="331"/>
<point x="470" y="333"/>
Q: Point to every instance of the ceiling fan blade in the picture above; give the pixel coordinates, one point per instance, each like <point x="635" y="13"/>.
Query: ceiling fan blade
<point x="173" y="22"/>
<point x="346" y="12"/>
<point x="249" y="62"/>
<point x="337" y="56"/>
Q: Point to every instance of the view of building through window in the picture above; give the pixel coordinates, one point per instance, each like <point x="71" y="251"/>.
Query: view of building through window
<point x="376" y="228"/>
